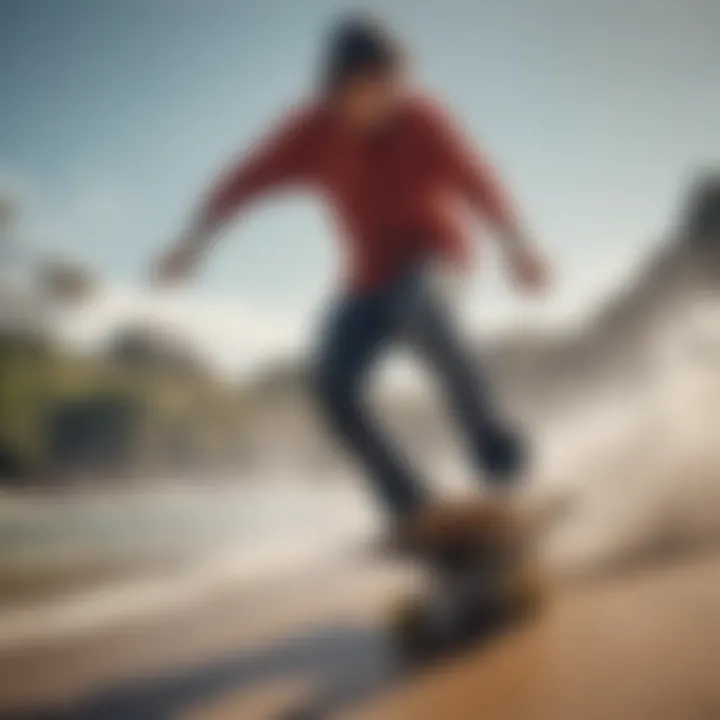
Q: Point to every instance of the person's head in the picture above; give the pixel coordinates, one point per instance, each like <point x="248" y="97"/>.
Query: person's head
<point x="363" y="71"/>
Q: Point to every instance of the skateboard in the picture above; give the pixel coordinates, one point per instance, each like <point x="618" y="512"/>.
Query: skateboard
<point x="481" y="575"/>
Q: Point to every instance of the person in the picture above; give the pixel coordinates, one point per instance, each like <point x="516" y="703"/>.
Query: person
<point x="396" y="172"/>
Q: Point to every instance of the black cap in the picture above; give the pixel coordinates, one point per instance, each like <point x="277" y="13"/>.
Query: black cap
<point x="359" y="46"/>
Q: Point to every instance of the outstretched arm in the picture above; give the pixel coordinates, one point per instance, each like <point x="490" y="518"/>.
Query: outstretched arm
<point x="280" y="160"/>
<point x="475" y="179"/>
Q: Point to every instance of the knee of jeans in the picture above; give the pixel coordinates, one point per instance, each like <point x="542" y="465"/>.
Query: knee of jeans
<point x="507" y="454"/>
<point x="335" y="388"/>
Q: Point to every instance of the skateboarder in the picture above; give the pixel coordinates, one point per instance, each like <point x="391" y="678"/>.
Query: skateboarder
<point x="393" y="169"/>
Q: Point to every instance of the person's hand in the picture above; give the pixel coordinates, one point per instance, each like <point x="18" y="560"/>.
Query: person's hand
<point x="175" y="265"/>
<point x="526" y="267"/>
<point x="179" y="261"/>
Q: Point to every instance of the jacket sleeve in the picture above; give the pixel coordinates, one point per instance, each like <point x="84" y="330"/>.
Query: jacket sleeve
<point x="466" y="169"/>
<point x="278" y="161"/>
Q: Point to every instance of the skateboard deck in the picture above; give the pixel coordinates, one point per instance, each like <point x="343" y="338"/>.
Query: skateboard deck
<point x="481" y="575"/>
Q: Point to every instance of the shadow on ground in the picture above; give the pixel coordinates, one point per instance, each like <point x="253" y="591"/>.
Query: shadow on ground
<point x="347" y="664"/>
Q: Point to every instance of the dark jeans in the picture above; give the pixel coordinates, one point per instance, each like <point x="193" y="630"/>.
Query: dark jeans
<point x="359" y="329"/>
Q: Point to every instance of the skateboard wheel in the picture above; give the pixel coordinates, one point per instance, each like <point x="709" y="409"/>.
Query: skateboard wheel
<point x="410" y="627"/>
<point x="526" y="591"/>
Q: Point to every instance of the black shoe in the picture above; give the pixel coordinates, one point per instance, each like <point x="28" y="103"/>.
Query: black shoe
<point x="506" y="456"/>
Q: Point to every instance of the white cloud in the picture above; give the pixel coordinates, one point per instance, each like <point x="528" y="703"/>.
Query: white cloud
<point x="232" y="336"/>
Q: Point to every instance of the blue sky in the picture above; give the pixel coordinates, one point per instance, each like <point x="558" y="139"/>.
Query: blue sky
<point x="116" y="113"/>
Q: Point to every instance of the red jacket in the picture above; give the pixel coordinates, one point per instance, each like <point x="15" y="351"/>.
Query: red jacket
<point x="394" y="193"/>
